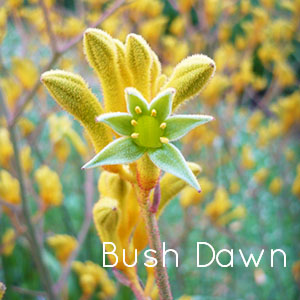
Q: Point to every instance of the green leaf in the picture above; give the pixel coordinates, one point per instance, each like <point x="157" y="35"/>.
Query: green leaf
<point x="118" y="121"/>
<point x="180" y="125"/>
<point x="120" y="151"/>
<point x="162" y="103"/>
<point x="169" y="159"/>
<point x="134" y="98"/>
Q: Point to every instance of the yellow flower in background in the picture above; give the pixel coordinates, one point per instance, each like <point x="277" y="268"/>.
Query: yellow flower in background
<point x="6" y="147"/>
<point x="70" y="27"/>
<point x="220" y="204"/>
<point x="247" y="158"/>
<point x="185" y="297"/>
<point x="9" y="188"/>
<point x="276" y="186"/>
<point x="25" y="70"/>
<point x="63" y="246"/>
<point x="261" y="175"/>
<point x="3" y="21"/>
<point x="8" y="242"/>
<point x="61" y="132"/>
<point x="289" y="155"/>
<point x="214" y="92"/>
<point x="284" y="73"/>
<point x="190" y="196"/>
<point x="296" y="183"/>
<point x="26" y="126"/>
<point x="91" y="276"/>
<point x="234" y="187"/>
<point x="26" y="159"/>
<point x="255" y="120"/>
<point x="146" y="29"/>
<point x="239" y="212"/>
<point x="50" y="188"/>
<point x="177" y="26"/>
<point x="11" y="91"/>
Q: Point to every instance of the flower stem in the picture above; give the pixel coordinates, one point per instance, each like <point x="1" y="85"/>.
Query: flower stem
<point x="161" y="275"/>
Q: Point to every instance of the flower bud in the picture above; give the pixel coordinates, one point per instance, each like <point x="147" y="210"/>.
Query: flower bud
<point x="72" y="93"/>
<point x="101" y="53"/>
<point x="190" y="76"/>
<point x="139" y="60"/>
<point x="147" y="173"/>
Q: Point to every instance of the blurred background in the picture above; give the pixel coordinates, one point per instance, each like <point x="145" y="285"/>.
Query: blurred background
<point x="250" y="155"/>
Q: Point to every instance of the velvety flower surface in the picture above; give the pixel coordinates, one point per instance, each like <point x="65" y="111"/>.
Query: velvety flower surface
<point x="149" y="129"/>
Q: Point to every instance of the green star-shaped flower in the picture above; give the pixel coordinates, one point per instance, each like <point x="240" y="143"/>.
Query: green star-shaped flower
<point x="148" y="129"/>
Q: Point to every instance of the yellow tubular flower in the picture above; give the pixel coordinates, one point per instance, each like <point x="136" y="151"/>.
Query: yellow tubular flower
<point x="189" y="77"/>
<point x="26" y="126"/>
<point x="155" y="74"/>
<point x="2" y="290"/>
<point x="124" y="70"/>
<point x="63" y="246"/>
<point x="254" y="121"/>
<point x="150" y="278"/>
<point x="26" y="159"/>
<point x="6" y="147"/>
<point x="220" y="204"/>
<point x="9" y="188"/>
<point x="8" y="242"/>
<point x="139" y="60"/>
<point x="73" y="94"/>
<point x="101" y="53"/>
<point x="50" y="188"/>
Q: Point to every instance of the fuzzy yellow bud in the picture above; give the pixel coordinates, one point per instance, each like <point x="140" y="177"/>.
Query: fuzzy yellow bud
<point x="9" y="188"/>
<point x="50" y="187"/>
<point x="73" y="94"/>
<point x="124" y="71"/>
<point x="112" y="186"/>
<point x="190" y="76"/>
<point x="101" y="52"/>
<point x="106" y="218"/>
<point x="2" y="289"/>
<point x="139" y="60"/>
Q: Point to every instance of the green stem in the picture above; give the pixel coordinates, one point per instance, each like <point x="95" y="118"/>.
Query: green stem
<point x="161" y="275"/>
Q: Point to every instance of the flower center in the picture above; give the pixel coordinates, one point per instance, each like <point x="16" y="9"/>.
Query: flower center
<point x="147" y="132"/>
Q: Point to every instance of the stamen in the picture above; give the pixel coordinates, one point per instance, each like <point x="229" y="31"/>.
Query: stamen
<point x="133" y="122"/>
<point x="153" y="113"/>
<point x="163" y="125"/>
<point x="138" y="110"/>
<point x="164" y="140"/>
<point x="134" y="135"/>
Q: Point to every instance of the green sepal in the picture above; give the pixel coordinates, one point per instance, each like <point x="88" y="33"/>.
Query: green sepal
<point x="118" y="121"/>
<point x="169" y="159"/>
<point x="162" y="103"/>
<point x="120" y="151"/>
<point x="134" y="98"/>
<point x="179" y="125"/>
